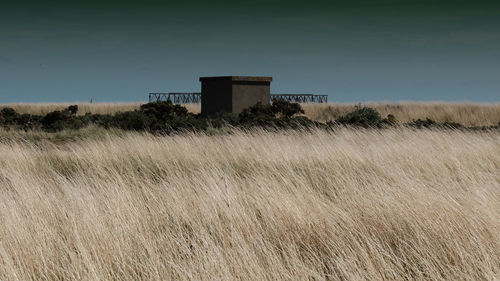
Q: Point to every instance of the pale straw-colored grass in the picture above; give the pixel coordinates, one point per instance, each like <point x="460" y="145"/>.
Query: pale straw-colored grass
<point x="85" y="107"/>
<point x="468" y="114"/>
<point x="395" y="204"/>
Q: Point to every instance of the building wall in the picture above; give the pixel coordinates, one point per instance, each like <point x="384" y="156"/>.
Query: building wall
<point x="216" y="95"/>
<point x="246" y="94"/>
<point x="233" y="93"/>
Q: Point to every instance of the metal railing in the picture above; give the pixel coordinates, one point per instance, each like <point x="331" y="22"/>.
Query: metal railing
<point x="196" y="97"/>
<point x="176" y="97"/>
<point x="301" y="98"/>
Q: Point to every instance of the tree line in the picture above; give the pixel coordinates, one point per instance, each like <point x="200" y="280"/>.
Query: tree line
<point x="166" y="117"/>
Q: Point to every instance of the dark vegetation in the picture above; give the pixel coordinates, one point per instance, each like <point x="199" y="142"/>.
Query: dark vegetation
<point x="166" y="118"/>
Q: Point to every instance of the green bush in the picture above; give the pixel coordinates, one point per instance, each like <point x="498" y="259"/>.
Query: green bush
<point x="10" y="119"/>
<point x="130" y="120"/>
<point x="8" y="116"/>
<point x="163" y="110"/>
<point x="429" y="123"/>
<point x="282" y="108"/>
<point x="419" y="123"/>
<point x="73" y="109"/>
<point x="279" y="114"/>
<point x="60" y="120"/>
<point x="362" y="116"/>
<point x="257" y="115"/>
<point x="166" y="118"/>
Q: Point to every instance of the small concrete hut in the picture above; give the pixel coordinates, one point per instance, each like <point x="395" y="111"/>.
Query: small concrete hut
<point x="233" y="93"/>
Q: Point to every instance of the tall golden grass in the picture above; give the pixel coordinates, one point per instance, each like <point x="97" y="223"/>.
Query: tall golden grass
<point x="468" y="114"/>
<point x="83" y="107"/>
<point x="394" y="204"/>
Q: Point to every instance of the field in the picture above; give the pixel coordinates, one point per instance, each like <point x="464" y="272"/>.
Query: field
<point x="353" y="204"/>
<point x="467" y="114"/>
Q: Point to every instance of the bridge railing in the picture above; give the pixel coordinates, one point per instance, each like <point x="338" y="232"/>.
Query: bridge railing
<point x="176" y="97"/>
<point x="196" y="97"/>
<point x="301" y="98"/>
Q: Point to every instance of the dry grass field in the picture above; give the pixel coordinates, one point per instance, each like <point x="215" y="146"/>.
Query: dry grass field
<point x="392" y="204"/>
<point x="468" y="114"/>
<point x="85" y="107"/>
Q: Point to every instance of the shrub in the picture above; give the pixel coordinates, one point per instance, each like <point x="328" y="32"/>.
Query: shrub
<point x="362" y="116"/>
<point x="73" y="109"/>
<point x="218" y="120"/>
<point x="302" y="122"/>
<point x="130" y="120"/>
<point x="257" y="115"/>
<point x="158" y="116"/>
<point x="285" y="109"/>
<point x="165" y="118"/>
<point x="163" y="109"/>
<point x="8" y="116"/>
<point x="419" y="123"/>
<point x="277" y="115"/>
<point x="29" y="122"/>
<point x="60" y="120"/>
<point x="54" y="121"/>
<point x="391" y="119"/>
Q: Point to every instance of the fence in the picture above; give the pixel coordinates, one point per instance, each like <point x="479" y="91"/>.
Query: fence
<point x="196" y="97"/>
<point x="176" y="97"/>
<point x="301" y="98"/>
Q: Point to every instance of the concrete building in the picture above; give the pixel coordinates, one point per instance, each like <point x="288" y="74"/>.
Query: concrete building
<point x="233" y="93"/>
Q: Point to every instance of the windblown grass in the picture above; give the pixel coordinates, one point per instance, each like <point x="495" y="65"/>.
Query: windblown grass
<point x="468" y="114"/>
<point x="83" y="107"/>
<point x="395" y="204"/>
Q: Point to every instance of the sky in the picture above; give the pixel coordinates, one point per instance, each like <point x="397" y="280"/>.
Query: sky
<point x="354" y="51"/>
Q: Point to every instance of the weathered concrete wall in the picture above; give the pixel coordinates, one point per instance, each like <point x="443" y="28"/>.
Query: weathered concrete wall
<point x="246" y="95"/>
<point x="233" y="93"/>
<point x="216" y="95"/>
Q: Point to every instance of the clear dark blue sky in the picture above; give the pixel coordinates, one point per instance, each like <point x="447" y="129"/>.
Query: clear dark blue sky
<point x="355" y="51"/>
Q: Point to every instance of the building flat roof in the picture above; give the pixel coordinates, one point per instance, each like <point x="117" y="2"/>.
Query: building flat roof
<point x="239" y="78"/>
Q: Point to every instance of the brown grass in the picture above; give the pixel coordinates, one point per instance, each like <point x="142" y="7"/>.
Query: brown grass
<point x="395" y="204"/>
<point x="96" y="108"/>
<point x="468" y="114"/>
